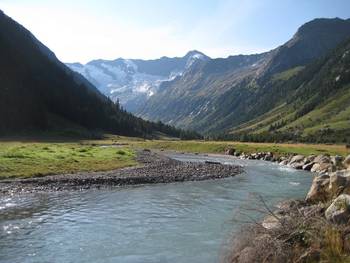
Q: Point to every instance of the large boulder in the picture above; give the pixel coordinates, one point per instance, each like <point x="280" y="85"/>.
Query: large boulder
<point x="282" y="158"/>
<point x="308" y="166"/>
<point x="268" y="156"/>
<point x="337" y="160"/>
<point x="310" y="158"/>
<point x="254" y="156"/>
<point x="339" y="182"/>
<point x="297" y="165"/>
<point x="284" y="162"/>
<point x="319" y="190"/>
<point x="297" y="159"/>
<point x="322" y="158"/>
<point x="315" y="168"/>
<point x="322" y="167"/>
<point x="346" y="162"/>
<point x="230" y="151"/>
<point x="339" y="211"/>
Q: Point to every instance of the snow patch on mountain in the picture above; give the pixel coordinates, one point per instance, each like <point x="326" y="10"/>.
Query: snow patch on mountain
<point x="122" y="80"/>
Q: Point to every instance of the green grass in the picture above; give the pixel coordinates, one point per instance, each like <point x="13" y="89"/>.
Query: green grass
<point x="333" y="114"/>
<point x="27" y="159"/>
<point x="219" y="147"/>
<point x="287" y="74"/>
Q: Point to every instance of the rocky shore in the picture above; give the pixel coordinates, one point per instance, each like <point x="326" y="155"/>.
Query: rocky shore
<point x="320" y="164"/>
<point x="312" y="230"/>
<point x="154" y="168"/>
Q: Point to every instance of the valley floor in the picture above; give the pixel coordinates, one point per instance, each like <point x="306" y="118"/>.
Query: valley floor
<point x="152" y="168"/>
<point x="244" y="147"/>
<point x="37" y="157"/>
<point x="299" y="231"/>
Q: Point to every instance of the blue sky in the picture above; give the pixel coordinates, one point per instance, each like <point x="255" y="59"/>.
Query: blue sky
<point x="82" y="30"/>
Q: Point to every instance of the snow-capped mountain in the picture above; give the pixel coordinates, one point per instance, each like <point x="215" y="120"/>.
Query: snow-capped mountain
<point x="133" y="81"/>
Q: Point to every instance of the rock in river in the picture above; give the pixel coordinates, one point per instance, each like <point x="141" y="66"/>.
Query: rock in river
<point x="297" y="159"/>
<point x="308" y="166"/>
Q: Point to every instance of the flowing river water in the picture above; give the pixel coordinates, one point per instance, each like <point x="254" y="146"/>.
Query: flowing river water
<point x="177" y="222"/>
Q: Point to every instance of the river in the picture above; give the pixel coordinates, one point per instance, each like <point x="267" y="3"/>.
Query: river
<point x="177" y="222"/>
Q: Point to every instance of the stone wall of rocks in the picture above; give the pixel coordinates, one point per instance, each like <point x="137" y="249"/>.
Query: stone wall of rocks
<point x="320" y="164"/>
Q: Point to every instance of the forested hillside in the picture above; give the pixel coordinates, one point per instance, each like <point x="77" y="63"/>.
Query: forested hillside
<point x="39" y="93"/>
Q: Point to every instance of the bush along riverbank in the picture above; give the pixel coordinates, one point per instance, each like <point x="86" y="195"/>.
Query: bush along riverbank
<point x="316" y="229"/>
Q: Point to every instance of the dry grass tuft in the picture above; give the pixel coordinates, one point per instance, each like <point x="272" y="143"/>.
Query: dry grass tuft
<point x="301" y="235"/>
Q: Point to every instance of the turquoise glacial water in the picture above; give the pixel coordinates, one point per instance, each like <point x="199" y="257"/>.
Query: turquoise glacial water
<point x="178" y="222"/>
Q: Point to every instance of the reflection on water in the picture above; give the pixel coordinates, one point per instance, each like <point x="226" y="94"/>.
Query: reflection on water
<point x="179" y="222"/>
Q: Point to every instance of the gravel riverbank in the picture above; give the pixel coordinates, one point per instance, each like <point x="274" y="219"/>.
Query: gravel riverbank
<point x="154" y="168"/>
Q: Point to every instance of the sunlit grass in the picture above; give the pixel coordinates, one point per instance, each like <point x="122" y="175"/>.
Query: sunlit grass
<point x="219" y="147"/>
<point x="29" y="157"/>
<point x="38" y="159"/>
<point x="285" y="75"/>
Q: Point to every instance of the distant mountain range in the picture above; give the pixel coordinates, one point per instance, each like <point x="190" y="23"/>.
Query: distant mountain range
<point x="254" y="95"/>
<point x="39" y="93"/>
<point x="298" y="91"/>
<point x="133" y="81"/>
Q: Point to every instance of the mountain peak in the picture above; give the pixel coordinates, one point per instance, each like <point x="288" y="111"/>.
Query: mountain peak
<point x="312" y="40"/>
<point x="196" y="53"/>
<point x="75" y="64"/>
<point x="323" y="25"/>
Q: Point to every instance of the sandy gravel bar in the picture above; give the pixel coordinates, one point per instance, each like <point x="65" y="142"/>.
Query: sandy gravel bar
<point x="153" y="168"/>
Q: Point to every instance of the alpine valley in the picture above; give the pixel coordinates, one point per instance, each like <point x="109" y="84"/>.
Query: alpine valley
<point x="297" y="91"/>
<point x="39" y="94"/>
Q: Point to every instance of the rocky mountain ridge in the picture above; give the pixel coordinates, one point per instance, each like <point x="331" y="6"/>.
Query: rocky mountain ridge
<point x="224" y="93"/>
<point x="133" y="81"/>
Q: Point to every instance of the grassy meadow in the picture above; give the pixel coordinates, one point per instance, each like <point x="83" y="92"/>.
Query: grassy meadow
<point x="219" y="147"/>
<point x="26" y="159"/>
<point x="38" y="157"/>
